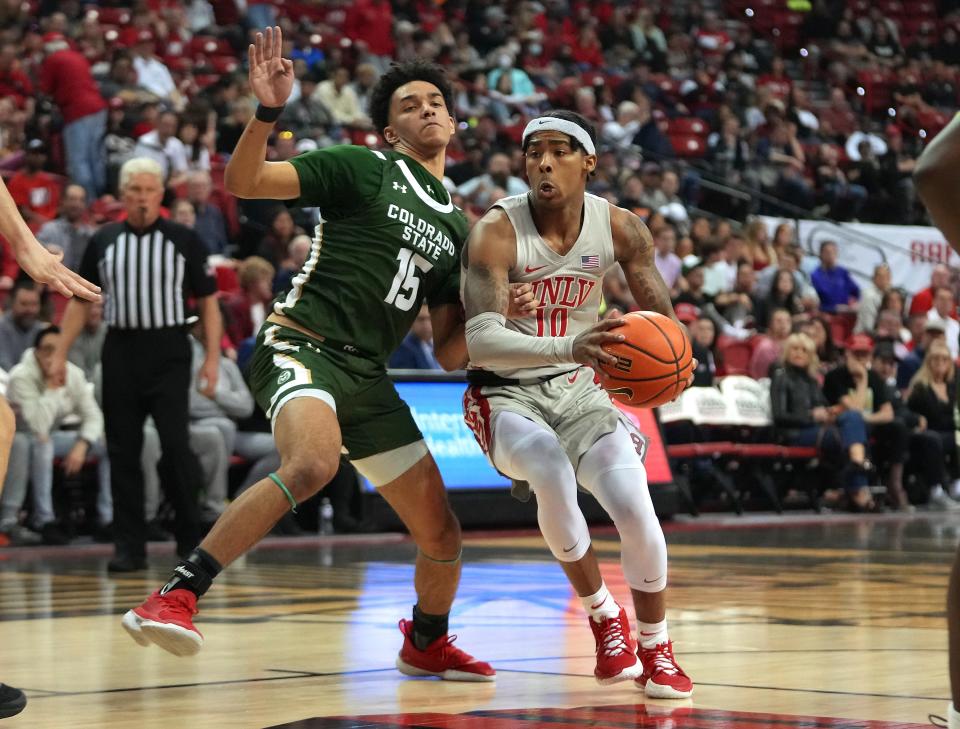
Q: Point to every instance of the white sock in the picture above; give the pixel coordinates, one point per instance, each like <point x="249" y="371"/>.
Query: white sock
<point x="955" y="489"/>
<point x="600" y="604"/>
<point x="953" y="717"/>
<point x="937" y="492"/>
<point x="652" y="634"/>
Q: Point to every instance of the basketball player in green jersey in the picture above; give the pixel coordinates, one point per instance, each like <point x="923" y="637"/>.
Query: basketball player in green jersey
<point x="938" y="181"/>
<point x="44" y="267"/>
<point x="390" y="237"/>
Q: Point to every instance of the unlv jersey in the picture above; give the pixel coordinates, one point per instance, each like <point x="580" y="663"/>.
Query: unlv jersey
<point x="567" y="288"/>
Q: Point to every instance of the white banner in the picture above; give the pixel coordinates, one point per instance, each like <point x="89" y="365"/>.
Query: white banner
<point x="910" y="250"/>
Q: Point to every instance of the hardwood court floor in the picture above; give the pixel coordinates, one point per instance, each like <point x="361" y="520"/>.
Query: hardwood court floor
<point x="840" y="618"/>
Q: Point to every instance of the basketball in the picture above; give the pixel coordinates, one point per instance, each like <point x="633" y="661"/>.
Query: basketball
<point x="653" y="363"/>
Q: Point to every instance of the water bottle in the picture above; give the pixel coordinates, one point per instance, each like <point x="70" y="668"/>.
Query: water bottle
<point x="326" y="516"/>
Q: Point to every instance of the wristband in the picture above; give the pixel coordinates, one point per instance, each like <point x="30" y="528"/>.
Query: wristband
<point x="269" y="114"/>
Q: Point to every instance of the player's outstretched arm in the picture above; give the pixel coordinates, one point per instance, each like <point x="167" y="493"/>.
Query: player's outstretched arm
<point x="937" y="177"/>
<point x="40" y="264"/>
<point x="634" y="249"/>
<point x="248" y="174"/>
<point x="489" y="256"/>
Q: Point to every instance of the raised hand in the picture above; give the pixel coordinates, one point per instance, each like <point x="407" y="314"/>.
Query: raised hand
<point x="271" y="75"/>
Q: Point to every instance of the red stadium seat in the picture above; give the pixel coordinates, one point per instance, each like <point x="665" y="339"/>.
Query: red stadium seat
<point x="841" y="327"/>
<point x="113" y="16"/>
<point x="206" y="79"/>
<point x="735" y="357"/>
<point x="688" y="145"/>
<point x="178" y="64"/>
<point x="877" y="90"/>
<point x="227" y="280"/>
<point x="207" y="45"/>
<point x="688" y="125"/>
<point x="224" y="64"/>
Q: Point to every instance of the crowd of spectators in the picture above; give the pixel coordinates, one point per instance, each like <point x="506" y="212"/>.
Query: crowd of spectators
<point x="823" y="107"/>
<point x="850" y="367"/>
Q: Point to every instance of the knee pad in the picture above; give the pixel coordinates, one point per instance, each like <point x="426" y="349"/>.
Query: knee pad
<point x="527" y="451"/>
<point x="614" y="474"/>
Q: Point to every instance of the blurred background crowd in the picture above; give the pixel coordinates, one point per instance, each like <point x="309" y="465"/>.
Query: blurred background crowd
<point x="709" y="113"/>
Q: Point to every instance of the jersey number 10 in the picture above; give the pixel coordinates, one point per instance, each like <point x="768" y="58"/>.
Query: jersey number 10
<point x="406" y="284"/>
<point x="554" y="325"/>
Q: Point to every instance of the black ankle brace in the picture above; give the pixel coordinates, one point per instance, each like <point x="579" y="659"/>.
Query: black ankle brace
<point x="195" y="573"/>
<point x="427" y="628"/>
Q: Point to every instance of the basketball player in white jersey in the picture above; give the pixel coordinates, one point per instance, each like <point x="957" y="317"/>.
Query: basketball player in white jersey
<point x="535" y="405"/>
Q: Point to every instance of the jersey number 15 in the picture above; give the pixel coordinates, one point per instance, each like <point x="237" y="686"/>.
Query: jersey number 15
<point x="406" y="284"/>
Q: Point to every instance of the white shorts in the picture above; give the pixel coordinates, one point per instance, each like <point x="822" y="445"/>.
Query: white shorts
<point x="571" y="405"/>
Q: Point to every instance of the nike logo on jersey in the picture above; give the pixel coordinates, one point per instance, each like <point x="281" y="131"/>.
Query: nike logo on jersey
<point x="657" y="579"/>
<point x="573" y="378"/>
<point x="531" y="269"/>
<point x="573" y="547"/>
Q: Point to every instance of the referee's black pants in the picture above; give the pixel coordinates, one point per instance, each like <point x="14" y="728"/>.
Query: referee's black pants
<point x="147" y="372"/>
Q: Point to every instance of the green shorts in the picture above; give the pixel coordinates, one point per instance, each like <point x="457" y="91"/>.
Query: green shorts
<point x="287" y="364"/>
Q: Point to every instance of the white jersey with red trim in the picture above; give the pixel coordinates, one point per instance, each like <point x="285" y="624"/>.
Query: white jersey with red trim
<point x="568" y="288"/>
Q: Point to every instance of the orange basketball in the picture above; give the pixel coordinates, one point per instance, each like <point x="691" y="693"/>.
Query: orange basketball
<point x="653" y="363"/>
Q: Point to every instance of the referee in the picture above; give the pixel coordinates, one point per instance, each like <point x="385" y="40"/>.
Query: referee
<point x="147" y="267"/>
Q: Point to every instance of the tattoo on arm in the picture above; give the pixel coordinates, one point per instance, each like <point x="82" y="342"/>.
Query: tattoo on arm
<point x="650" y="292"/>
<point x="644" y="280"/>
<point x="485" y="291"/>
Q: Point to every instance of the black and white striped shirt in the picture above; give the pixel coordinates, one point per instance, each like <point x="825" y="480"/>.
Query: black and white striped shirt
<point x="147" y="275"/>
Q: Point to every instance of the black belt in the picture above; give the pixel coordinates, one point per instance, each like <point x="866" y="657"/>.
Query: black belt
<point x="485" y="378"/>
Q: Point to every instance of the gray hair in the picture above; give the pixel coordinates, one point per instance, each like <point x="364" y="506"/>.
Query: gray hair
<point x="140" y="166"/>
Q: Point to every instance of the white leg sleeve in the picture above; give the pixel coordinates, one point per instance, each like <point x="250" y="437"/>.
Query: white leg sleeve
<point x="526" y="451"/>
<point x="613" y="472"/>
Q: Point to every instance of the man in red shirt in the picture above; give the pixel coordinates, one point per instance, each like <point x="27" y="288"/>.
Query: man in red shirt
<point x="65" y="76"/>
<point x="922" y="301"/>
<point x="14" y="83"/>
<point x="36" y="193"/>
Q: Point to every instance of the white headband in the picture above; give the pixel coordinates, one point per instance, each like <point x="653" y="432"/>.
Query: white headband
<point x="553" y="124"/>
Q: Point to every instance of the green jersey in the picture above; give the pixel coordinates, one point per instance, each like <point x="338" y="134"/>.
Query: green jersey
<point x="389" y="237"/>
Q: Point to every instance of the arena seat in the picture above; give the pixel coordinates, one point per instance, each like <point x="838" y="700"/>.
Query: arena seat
<point x="735" y="357"/>
<point x="113" y="16"/>
<point x="208" y="45"/>
<point x="227" y="280"/>
<point x="841" y="326"/>
<point x="689" y="125"/>
<point x="224" y="64"/>
<point x="688" y="145"/>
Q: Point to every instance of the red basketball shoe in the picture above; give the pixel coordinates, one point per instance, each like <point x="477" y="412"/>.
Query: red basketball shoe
<point x="616" y="651"/>
<point x="167" y="621"/>
<point x="440" y="659"/>
<point x="662" y="678"/>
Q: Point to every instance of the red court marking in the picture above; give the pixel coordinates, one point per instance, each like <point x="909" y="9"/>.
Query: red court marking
<point x="617" y="716"/>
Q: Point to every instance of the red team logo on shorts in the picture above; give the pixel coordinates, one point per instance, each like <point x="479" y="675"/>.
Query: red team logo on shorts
<point x="476" y="414"/>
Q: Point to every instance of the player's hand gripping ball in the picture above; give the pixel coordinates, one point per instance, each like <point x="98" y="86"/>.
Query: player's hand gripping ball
<point x="654" y="362"/>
